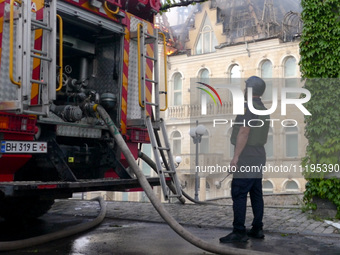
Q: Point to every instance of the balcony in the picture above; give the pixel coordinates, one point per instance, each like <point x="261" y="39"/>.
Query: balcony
<point x="195" y="110"/>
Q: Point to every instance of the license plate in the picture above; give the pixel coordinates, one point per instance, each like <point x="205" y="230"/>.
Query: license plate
<point x="23" y="147"/>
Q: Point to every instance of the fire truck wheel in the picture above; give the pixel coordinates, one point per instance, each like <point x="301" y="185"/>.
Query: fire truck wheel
<point x="14" y="208"/>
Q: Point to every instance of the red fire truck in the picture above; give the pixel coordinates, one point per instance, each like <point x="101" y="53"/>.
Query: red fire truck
<point x="59" y="57"/>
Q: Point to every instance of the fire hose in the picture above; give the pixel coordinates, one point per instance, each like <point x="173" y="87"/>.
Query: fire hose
<point x="185" y="234"/>
<point x="219" y="249"/>
<point x="24" y="243"/>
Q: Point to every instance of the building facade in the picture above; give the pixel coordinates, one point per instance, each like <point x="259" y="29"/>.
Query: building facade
<point x="228" y="44"/>
<point x="225" y="42"/>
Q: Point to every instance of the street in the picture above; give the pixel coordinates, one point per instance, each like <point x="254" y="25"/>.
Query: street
<point x="122" y="236"/>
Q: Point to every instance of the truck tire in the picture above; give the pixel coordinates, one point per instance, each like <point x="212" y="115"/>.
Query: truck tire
<point x="14" y="208"/>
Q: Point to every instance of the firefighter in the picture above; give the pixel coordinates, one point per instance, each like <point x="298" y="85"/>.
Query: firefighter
<point x="249" y="139"/>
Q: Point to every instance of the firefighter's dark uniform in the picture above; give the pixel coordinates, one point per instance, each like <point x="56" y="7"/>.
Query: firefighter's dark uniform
<point x="252" y="155"/>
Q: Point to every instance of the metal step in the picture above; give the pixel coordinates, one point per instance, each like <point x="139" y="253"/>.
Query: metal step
<point x="37" y="81"/>
<point x="40" y="24"/>
<point x="41" y="58"/>
<point x="153" y="81"/>
<point x="154" y="59"/>
<point x="148" y="103"/>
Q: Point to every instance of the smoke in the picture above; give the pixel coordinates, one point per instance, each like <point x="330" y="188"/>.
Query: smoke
<point x="254" y="19"/>
<point x="244" y="20"/>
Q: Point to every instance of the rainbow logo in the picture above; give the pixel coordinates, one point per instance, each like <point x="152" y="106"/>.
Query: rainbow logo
<point x="209" y="93"/>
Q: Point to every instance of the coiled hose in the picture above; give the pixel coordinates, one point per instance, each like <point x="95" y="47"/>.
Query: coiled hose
<point x="21" y="244"/>
<point x="156" y="202"/>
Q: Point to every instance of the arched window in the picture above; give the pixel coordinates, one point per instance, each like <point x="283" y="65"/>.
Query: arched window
<point x="177" y="89"/>
<point x="204" y="75"/>
<point x="206" y="40"/>
<point x="269" y="146"/>
<point x="291" y="141"/>
<point x="235" y="72"/>
<point x="290" y="67"/>
<point x="267" y="187"/>
<point x="204" y="144"/>
<point x="290" y="75"/>
<point x="235" y="78"/>
<point x="267" y="74"/>
<point x="176" y="143"/>
<point x="291" y="186"/>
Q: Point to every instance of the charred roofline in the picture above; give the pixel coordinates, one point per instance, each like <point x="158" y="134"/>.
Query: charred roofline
<point x="223" y="45"/>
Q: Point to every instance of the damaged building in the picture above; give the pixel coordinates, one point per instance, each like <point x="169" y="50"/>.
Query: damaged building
<point x="233" y="40"/>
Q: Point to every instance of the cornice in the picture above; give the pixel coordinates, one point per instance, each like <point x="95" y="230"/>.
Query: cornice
<point x="232" y="51"/>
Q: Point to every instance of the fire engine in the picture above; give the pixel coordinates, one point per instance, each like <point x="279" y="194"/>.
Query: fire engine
<point x="58" y="59"/>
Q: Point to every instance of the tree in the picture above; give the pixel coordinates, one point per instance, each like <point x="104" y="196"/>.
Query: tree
<point x="320" y="67"/>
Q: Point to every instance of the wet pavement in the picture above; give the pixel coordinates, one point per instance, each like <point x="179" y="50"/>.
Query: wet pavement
<point x="136" y="228"/>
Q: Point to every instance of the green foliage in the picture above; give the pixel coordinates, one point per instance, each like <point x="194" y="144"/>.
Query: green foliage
<point x="320" y="51"/>
<point x="325" y="189"/>
<point x="320" y="66"/>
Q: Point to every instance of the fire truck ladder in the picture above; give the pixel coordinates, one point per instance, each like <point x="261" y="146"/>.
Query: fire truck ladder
<point x="160" y="159"/>
<point x="143" y="40"/>
<point x="155" y="123"/>
<point x="28" y="56"/>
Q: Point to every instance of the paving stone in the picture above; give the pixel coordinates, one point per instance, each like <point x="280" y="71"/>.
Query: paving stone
<point x="275" y="219"/>
<point x="329" y="230"/>
<point x="319" y="230"/>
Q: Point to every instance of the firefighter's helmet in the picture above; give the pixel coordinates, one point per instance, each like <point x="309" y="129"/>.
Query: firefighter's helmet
<point x="257" y="84"/>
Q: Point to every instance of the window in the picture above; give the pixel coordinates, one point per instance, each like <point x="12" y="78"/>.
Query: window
<point x="269" y="145"/>
<point x="204" y="144"/>
<point x="177" y="92"/>
<point x="176" y="143"/>
<point x="267" y="74"/>
<point x="291" y="186"/>
<point x="290" y="75"/>
<point x="290" y="67"/>
<point x="266" y="69"/>
<point x="291" y="137"/>
<point x="204" y="75"/>
<point x="267" y="187"/>
<point x="234" y="75"/>
<point x="206" y="40"/>
<point x="235" y="72"/>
